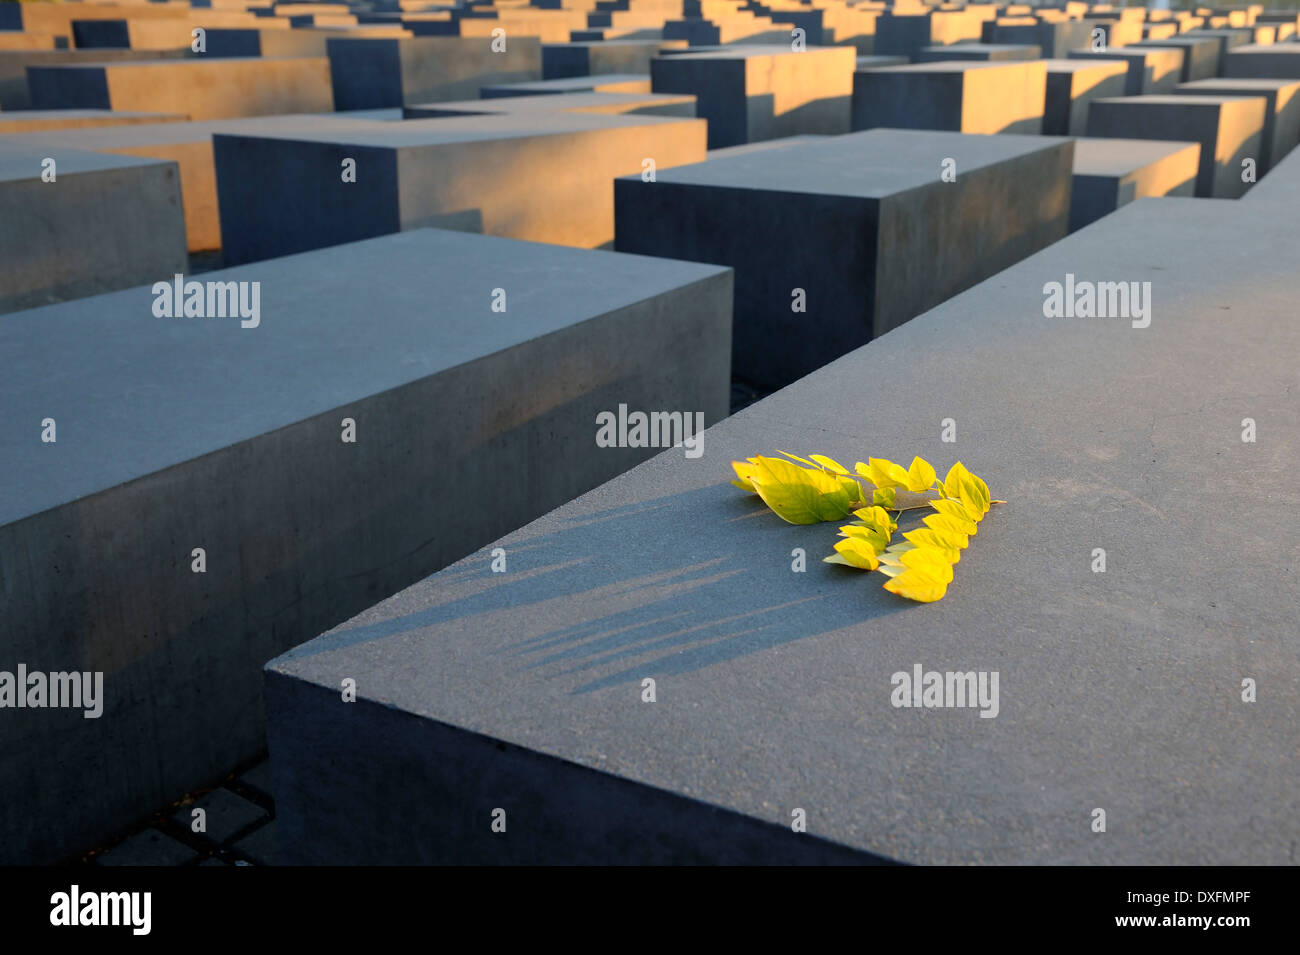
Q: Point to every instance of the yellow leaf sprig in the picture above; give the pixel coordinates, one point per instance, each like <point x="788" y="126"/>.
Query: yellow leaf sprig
<point x="920" y="566"/>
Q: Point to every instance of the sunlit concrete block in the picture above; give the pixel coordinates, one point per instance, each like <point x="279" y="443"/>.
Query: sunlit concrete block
<point x="608" y="83"/>
<point x="1113" y="34"/>
<point x="1150" y="69"/>
<point x="1229" y="129"/>
<point x="1110" y="173"/>
<point x="13" y="66"/>
<point x="751" y="93"/>
<point x="535" y="173"/>
<point x="1281" y="61"/>
<point x="867" y="225"/>
<point x="373" y="73"/>
<point x="968" y="97"/>
<point x="1201" y="55"/>
<point x="341" y="448"/>
<point x="907" y="33"/>
<point x="40" y="120"/>
<point x="525" y="691"/>
<point x="1072" y="85"/>
<point x="987" y="52"/>
<point x="1281" y="119"/>
<point x="76" y="223"/>
<point x="564" y="60"/>
<point x="1228" y="41"/>
<point x="13" y="40"/>
<point x="197" y="87"/>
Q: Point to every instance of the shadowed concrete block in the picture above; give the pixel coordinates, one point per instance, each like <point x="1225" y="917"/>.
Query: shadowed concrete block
<point x="1110" y="173"/>
<point x="1072" y="85"/>
<point x="751" y="93"/>
<point x="1280" y="61"/>
<point x="1200" y="56"/>
<point x="202" y="89"/>
<point x="987" y="52"/>
<point x="775" y="690"/>
<point x="577" y="101"/>
<point x="373" y="73"/>
<point x="234" y="445"/>
<point x="862" y="223"/>
<point x="1230" y="129"/>
<point x="1150" y="69"/>
<point x="101" y="223"/>
<point x="1228" y="41"/>
<point x="41" y="120"/>
<point x="1279" y="191"/>
<point x="13" y="67"/>
<point x="968" y="97"/>
<point x="905" y="34"/>
<point x="1281" y="118"/>
<point x="189" y="145"/>
<point x="155" y="34"/>
<point x="876" y="62"/>
<point x="542" y="173"/>
<point x="562" y="60"/>
<point x="1054" y="39"/>
<point x="609" y="83"/>
<point x="260" y="41"/>
<point x="1114" y="33"/>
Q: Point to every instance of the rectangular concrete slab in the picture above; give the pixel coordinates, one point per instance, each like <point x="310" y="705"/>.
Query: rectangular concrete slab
<point x="1280" y="61"/>
<point x="562" y="60"/>
<point x="1281" y="119"/>
<point x="1200" y="59"/>
<point x="751" y="93"/>
<point x="1072" y="85"/>
<point x="1054" y="38"/>
<point x="76" y="223"/>
<point x="1120" y="690"/>
<point x="985" y="52"/>
<point x="1230" y="130"/>
<point x="44" y="120"/>
<point x="838" y="240"/>
<point x="965" y="97"/>
<point x="1110" y="173"/>
<point x="13" y="67"/>
<point x="468" y="422"/>
<point x="1150" y="69"/>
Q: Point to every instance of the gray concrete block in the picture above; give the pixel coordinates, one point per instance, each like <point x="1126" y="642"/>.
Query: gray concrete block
<point x="1110" y="173"/>
<point x="101" y="223"/>
<point x="563" y="60"/>
<point x="232" y="443"/>
<point x="13" y="67"/>
<point x="966" y="97"/>
<point x="224" y="815"/>
<point x="1280" y="61"/>
<point x="1281" y="118"/>
<point x="1054" y="38"/>
<point x="750" y="93"/>
<point x="1119" y="690"/>
<point x="283" y="193"/>
<point x="1279" y="191"/>
<point x="876" y="62"/>
<point x="906" y="33"/>
<point x="149" y="848"/>
<point x="862" y="223"/>
<point x="1200" y="55"/>
<point x="609" y="83"/>
<point x="980" y="52"/>
<point x="46" y="120"/>
<point x="1150" y="69"/>
<point x="262" y="845"/>
<point x="373" y="73"/>
<point x="199" y="88"/>
<point x="1228" y="40"/>
<point x="1230" y="129"/>
<point x="1072" y="85"/>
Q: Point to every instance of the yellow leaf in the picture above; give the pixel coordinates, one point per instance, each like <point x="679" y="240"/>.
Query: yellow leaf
<point x="941" y="540"/>
<point x="882" y="473"/>
<point x="798" y="495"/>
<point x="830" y="464"/>
<point x="853" y="552"/>
<point x="745" y="470"/>
<point x="799" y="459"/>
<point x="878" y="518"/>
<point x="916" y="585"/>
<point x="952" y="482"/>
<point x="884" y="496"/>
<point x="950" y="526"/>
<point x="920" y="476"/>
<point x="954" y="510"/>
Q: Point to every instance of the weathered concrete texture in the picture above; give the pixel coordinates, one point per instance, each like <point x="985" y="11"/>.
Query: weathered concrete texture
<point x="232" y="443"/>
<point x="1110" y="173"/>
<point x="1279" y="191"/>
<point x="986" y="52"/>
<point x="13" y="67"/>
<point x="101" y="223"/>
<point x="1230" y="129"/>
<point x="371" y="73"/>
<point x="1200" y="55"/>
<point x="42" y="120"/>
<point x="1150" y="69"/>
<point x="199" y="88"/>
<point x="563" y="60"/>
<point x="1072" y="85"/>
<point x="537" y="173"/>
<point x="609" y="83"/>
<point x="1054" y="38"/>
<point x="751" y="93"/>
<point x="1280" y="61"/>
<point x="864" y="224"/>
<point x="967" y="97"/>
<point x="1120" y="690"/>
<point x="189" y="145"/>
<point x="1281" y="118"/>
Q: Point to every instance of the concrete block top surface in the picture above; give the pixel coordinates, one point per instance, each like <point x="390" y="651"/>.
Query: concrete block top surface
<point x="1119" y="690"/>
<point x="1083" y="66"/>
<point x="750" y="51"/>
<point x="336" y="325"/>
<point x="1174" y="99"/>
<point x="20" y="160"/>
<point x="869" y="165"/>
<point x="156" y="134"/>
<point x="955" y="66"/>
<point x="1245" y="85"/>
<point x="1119" y="157"/>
